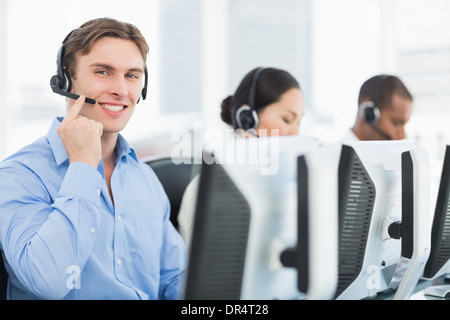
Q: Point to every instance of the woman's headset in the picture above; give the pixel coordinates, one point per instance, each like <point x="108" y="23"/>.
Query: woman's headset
<point x="246" y="116"/>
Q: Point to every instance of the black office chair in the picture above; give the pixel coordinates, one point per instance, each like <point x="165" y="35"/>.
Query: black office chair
<point x="174" y="178"/>
<point x="3" y="279"/>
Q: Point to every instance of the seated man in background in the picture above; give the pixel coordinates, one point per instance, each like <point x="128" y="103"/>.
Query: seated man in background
<point x="385" y="106"/>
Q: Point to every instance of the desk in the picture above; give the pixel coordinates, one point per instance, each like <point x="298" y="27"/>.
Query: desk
<point x="419" y="291"/>
<point x="442" y="284"/>
<point x="442" y="288"/>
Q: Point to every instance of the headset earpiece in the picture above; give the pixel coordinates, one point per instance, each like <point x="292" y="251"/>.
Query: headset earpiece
<point x="62" y="78"/>
<point x="144" y="89"/>
<point x="63" y="83"/>
<point x="369" y="112"/>
<point x="246" y="116"/>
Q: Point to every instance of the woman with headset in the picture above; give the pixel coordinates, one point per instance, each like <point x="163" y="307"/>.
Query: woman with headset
<point x="267" y="101"/>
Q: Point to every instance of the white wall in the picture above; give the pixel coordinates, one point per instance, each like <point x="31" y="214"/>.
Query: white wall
<point x="346" y="53"/>
<point x="215" y="60"/>
<point x="349" y="41"/>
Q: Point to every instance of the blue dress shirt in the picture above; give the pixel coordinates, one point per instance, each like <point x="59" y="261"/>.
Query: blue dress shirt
<point x="63" y="238"/>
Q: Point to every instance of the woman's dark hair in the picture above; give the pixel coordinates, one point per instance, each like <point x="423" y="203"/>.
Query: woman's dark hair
<point x="271" y="84"/>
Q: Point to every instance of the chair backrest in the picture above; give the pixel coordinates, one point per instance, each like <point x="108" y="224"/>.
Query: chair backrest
<point x="175" y="175"/>
<point x="3" y="278"/>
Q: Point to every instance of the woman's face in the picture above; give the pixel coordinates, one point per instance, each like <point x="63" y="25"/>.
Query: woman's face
<point x="284" y="115"/>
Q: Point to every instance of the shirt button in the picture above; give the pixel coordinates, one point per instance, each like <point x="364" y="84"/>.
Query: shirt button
<point x="119" y="218"/>
<point x="98" y="192"/>
<point x="92" y="230"/>
<point x="119" y="261"/>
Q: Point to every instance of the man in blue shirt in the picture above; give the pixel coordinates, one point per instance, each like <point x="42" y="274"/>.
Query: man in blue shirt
<point x="80" y="216"/>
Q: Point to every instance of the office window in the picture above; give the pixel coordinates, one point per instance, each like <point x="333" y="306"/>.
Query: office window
<point x="424" y="52"/>
<point x="270" y="33"/>
<point x="34" y="32"/>
<point x="181" y="56"/>
<point x="201" y="49"/>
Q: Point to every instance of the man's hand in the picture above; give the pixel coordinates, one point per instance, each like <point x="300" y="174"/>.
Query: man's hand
<point x="81" y="136"/>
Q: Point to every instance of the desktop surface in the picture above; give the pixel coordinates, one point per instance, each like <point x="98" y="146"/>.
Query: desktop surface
<point x="420" y="291"/>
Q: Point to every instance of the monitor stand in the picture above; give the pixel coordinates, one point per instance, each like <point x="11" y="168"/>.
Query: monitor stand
<point x="440" y="291"/>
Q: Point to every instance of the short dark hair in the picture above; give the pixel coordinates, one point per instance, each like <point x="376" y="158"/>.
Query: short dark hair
<point x="382" y="88"/>
<point x="272" y="83"/>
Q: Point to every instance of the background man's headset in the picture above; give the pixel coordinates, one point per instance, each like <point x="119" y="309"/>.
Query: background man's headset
<point x="370" y="111"/>
<point x="62" y="84"/>
<point x="246" y="116"/>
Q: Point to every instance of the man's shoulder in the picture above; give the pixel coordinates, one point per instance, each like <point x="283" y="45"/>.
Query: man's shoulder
<point x="29" y="155"/>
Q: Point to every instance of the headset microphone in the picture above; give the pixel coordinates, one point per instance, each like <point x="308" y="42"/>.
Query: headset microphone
<point x="56" y="89"/>
<point x="382" y="132"/>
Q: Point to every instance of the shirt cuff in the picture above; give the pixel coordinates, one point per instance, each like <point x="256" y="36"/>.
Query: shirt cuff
<point x="83" y="181"/>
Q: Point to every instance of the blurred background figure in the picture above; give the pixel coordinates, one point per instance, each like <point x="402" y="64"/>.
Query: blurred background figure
<point x="267" y="101"/>
<point x="385" y="106"/>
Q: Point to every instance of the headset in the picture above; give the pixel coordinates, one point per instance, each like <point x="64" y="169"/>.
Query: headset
<point x="369" y="110"/>
<point x="246" y="116"/>
<point x="62" y="84"/>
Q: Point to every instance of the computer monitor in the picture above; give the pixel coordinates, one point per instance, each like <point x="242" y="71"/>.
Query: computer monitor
<point x="370" y="200"/>
<point x="245" y="218"/>
<point x="438" y="263"/>
<point x="316" y="254"/>
<point x="415" y="227"/>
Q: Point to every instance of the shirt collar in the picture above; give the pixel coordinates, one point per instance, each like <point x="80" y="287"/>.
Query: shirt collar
<point x="350" y="136"/>
<point x="124" y="148"/>
<point x="56" y="144"/>
<point x="60" y="154"/>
